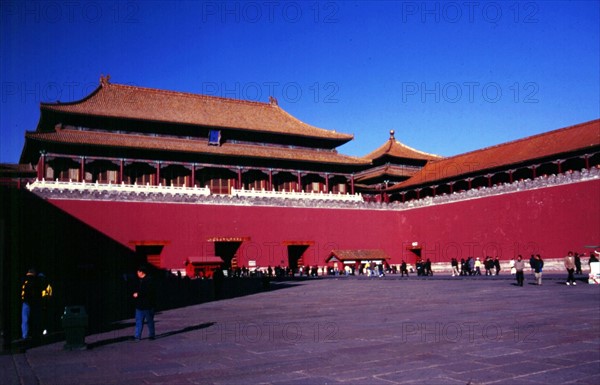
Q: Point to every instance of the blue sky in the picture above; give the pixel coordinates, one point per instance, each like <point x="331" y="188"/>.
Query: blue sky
<point x="448" y="77"/>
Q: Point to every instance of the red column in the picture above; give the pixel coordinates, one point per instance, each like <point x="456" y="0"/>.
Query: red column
<point x="533" y="171"/>
<point x="81" y="168"/>
<point x="157" y="174"/>
<point x="470" y="184"/>
<point x="41" y="167"/>
<point x="510" y="175"/>
<point x="587" y="161"/>
<point x="270" y="179"/>
<point x="299" y="182"/>
<point x="451" y="184"/>
<point x="121" y="167"/>
<point x="239" y="181"/>
<point x="559" y="164"/>
<point x="352" y="184"/>
<point x="193" y="181"/>
<point x="326" y="182"/>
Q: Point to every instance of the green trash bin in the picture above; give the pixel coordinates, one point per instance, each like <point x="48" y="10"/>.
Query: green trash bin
<point x="74" y="322"/>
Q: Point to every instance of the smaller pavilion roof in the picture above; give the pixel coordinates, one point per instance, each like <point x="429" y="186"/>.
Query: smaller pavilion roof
<point x="357" y="255"/>
<point x="394" y="148"/>
<point x="390" y="171"/>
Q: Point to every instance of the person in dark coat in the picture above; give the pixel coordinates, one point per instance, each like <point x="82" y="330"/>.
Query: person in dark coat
<point x="538" y="266"/>
<point x="577" y="264"/>
<point x="403" y="268"/>
<point x="145" y="302"/>
<point x="497" y="265"/>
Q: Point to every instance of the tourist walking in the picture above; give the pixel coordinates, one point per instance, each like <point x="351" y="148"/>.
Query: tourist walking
<point x="472" y="266"/>
<point x="454" y="263"/>
<point x="497" y="265"/>
<point x="538" y="265"/>
<point x="488" y="264"/>
<point x="570" y="266"/>
<point x="403" y="269"/>
<point x="477" y="267"/>
<point x="578" y="263"/>
<point x="519" y="266"/>
<point x="532" y="263"/>
<point x="511" y="265"/>
<point x="145" y="302"/>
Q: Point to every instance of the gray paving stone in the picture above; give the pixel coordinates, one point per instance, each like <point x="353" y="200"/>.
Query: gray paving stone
<point x="348" y="331"/>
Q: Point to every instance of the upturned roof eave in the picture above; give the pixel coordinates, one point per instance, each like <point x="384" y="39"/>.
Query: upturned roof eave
<point x="344" y="160"/>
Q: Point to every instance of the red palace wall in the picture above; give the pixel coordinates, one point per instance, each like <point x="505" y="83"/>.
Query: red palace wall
<point x="548" y="221"/>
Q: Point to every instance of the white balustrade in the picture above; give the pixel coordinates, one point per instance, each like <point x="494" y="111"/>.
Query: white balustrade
<point x="83" y="187"/>
<point x="521" y="185"/>
<point x="296" y="195"/>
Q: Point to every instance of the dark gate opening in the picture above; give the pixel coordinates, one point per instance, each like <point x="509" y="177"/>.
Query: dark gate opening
<point x="415" y="256"/>
<point x="295" y="256"/>
<point x="227" y="251"/>
<point x="149" y="251"/>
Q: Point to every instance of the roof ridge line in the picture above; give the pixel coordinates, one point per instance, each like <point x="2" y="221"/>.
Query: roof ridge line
<point x="191" y="94"/>
<point x="419" y="151"/>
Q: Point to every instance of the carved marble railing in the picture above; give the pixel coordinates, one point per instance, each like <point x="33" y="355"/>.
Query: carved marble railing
<point x="260" y="194"/>
<point x="94" y="189"/>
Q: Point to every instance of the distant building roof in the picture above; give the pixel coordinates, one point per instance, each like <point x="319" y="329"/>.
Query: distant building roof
<point x="17" y="169"/>
<point x="577" y="138"/>
<point x="146" y="104"/>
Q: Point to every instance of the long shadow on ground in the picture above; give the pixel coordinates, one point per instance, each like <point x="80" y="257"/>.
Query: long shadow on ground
<point x="116" y="340"/>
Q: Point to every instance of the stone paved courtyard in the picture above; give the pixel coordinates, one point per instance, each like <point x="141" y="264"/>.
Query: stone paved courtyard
<point x="349" y="330"/>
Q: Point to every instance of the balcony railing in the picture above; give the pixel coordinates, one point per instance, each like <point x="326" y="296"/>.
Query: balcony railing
<point x="202" y="195"/>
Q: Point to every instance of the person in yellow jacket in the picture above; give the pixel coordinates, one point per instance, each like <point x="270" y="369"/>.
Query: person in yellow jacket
<point x="31" y="299"/>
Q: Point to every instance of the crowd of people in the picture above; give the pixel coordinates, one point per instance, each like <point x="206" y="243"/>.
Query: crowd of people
<point x="474" y="265"/>
<point x="572" y="263"/>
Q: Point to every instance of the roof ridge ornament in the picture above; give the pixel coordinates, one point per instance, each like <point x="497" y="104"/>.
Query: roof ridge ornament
<point x="392" y="135"/>
<point x="104" y="80"/>
<point x="273" y="101"/>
